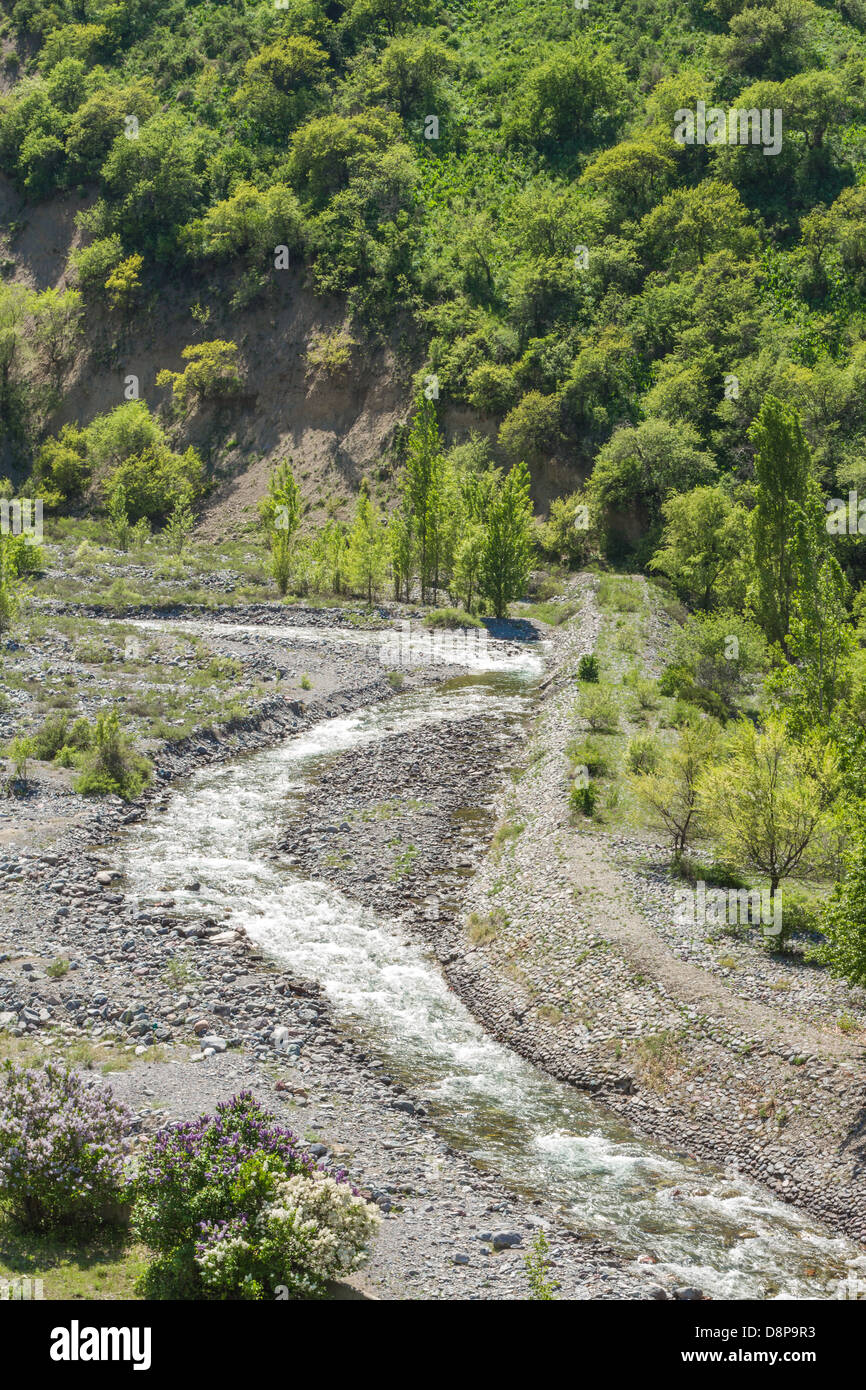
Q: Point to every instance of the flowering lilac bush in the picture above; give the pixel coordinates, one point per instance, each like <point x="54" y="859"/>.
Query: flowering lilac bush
<point x="61" y="1145"/>
<point x="201" y="1196"/>
<point x="314" y="1230"/>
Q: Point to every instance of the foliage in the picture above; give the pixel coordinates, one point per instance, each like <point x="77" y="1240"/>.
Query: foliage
<point x="220" y="1201"/>
<point x="111" y="766"/>
<point x="212" y="372"/>
<point x="506" y="555"/>
<point x="61" y="1146"/>
<point x="843" y="921"/>
<point x="768" y="799"/>
<point x="588" y="668"/>
<point x="314" y="1230"/>
<point x="670" y="794"/>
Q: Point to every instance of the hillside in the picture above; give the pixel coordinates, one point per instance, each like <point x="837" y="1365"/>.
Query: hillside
<point x="563" y="266"/>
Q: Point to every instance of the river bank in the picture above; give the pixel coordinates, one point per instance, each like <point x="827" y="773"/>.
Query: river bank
<point x="561" y="944"/>
<point x="179" y="1011"/>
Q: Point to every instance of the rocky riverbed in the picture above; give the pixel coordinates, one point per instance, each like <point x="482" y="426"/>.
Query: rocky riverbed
<point x="562" y="947"/>
<point x="179" y="1013"/>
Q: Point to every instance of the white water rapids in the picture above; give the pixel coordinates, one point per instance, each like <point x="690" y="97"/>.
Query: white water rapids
<point x="728" y="1237"/>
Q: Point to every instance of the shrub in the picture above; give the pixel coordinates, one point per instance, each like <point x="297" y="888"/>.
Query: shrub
<point x="218" y="1200"/>
<point x="451" y="618"/>
<point x="330" y="353"/>
<point x="644" y="753"/>
<point x="314" y="1230"/>
<point x="589" y="753"/>
<point x="599" y="707"/>
<point x="16" y="782"/>
<point x="57" y="734"/>
<point x="646" y="693"/>
<point x="61" y="1145"/>
<point x="583" y="798"/>
<point x="620" y="594"/>
<point x="111" y="766"/>
<point x="588" y="668"/>
<point x="212" y="372"/>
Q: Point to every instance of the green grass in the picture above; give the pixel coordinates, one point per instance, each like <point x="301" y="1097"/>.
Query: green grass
<point x="554" y="614"/>
<point x="451" y="618"/>
<point x="72" y="1265"/>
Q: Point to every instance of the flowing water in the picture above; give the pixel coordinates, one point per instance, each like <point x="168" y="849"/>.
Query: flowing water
<point x="727" y="1236"/>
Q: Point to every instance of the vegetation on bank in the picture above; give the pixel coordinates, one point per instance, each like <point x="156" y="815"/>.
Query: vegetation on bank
<point x="497" y="192"/>
<point x="225" y="1207"/>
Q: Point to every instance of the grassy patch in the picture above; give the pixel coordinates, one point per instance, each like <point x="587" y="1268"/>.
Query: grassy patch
<point x="481" y="929"/>
<point x="656" y="1058"/>
<point x="73" y="1265"/>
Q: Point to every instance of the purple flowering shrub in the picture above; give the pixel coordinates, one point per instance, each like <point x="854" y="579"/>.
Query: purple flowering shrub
<point x="61" y="1145"/>
<point x="204" y="1172"/>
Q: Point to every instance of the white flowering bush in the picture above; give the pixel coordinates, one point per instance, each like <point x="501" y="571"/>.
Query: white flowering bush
<point x="313" y="1231"/>
<point x="61" y="1145"/>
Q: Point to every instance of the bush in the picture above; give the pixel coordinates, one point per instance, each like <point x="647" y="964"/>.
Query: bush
<point x="644" y="753"/>
<point x="313" y="1231"/>
<point x="589" y="753"/>
<point x="111" y="766"/>
<point x="212" y="372"/>
<point x="583" y="797"/>
<point x="330" y="353"/>
<point x="61" y="1146"/>
<point x="57" y="734"/>
<point x="600" y="709"/>
<point x="219" y="1200"/>
<point x="451" y="618"/>
<point x="588" y="668"/>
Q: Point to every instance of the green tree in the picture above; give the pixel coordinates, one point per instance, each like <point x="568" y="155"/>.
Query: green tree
<point x="723" y="652"/>
<point x="703" y="546"/>
<point x="212" y="372"/>
<point x="506" y="556"/>
<point x="770" y="798"/>
<point x="281" y="517"/>
<point x="123" y="284"/>
<point x="820" y="641"/>
<point x="633" y="174"/>
<point x="119" y="523"/>
<point x="11" y="588"/>
<point x="642" y="465"/>
<point x="56" y="323"/>
<point x="783" y="474"/>
<point x="423" y="492"/>
<point x="366" y="546"/>
<point x="670" y="795"/>
<point x="178" y="528"/>
<point x="689" y="224"/>
<point x="154" y="182"/>
<point x="575" y="94"/>
<point x="401" y="551"/>
<point x="843" y="920"/>
<point x="281" y="83"/>
<point x="466" y="577"/>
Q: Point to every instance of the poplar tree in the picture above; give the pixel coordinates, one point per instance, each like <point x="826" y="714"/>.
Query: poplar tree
<point x="423" y="495"/>
<point x="785" y="487"/>
<point x="366" y="545"/>
<point x="506" y="555"/>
